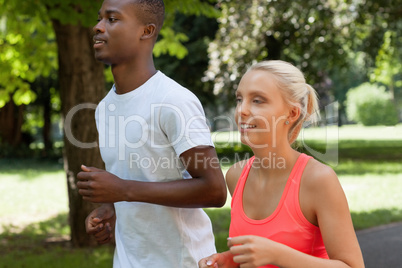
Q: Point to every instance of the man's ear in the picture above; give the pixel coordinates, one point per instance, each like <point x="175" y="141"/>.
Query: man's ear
<point x="149" y="31"/>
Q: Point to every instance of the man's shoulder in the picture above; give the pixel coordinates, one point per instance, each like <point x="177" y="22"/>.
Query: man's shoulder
<point x="174" y="92"/>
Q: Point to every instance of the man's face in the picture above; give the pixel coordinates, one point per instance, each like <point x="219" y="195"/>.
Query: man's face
<point x="118" y="32"/>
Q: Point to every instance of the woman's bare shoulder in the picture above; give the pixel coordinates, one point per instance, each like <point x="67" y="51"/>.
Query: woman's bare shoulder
<point x="320" y="178"/>
<point x="318" y="172"/>
<point x="233" y="174"/>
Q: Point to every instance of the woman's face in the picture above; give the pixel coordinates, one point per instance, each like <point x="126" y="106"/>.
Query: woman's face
<point x="261" y="111"/>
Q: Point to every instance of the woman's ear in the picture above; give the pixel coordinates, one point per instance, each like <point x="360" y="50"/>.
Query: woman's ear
<point x="294" y="114"/>
<point x="149" y="31"/>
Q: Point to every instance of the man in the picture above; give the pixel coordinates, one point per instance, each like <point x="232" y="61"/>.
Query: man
<point x="161" y="165"/>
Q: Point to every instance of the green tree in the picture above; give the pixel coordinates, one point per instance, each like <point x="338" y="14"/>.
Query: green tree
<point x="67" y="25"/>
<point x="388" y="65"/>
<point x="335" y="43"/>
<point x="189" y="70"/>
<point x="306" y="33"/>
<point x="27" y="51"/>
<point x="378" y="24"/>
<point x="373" y="19"/>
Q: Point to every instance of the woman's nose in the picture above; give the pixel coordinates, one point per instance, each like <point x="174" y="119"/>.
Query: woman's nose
<point x="243" y="109"/>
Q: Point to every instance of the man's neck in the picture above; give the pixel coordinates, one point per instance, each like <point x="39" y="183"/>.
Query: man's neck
<point x="128" y="78"/>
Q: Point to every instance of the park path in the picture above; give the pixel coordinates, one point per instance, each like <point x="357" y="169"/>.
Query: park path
<point x="382" y="246"/>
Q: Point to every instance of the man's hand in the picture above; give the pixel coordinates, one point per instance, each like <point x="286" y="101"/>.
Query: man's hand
<point x="99" y="186"/>
<point x="101" y="223"/>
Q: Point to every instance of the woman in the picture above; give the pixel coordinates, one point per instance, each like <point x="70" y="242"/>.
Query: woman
<point x="288" y="209"/>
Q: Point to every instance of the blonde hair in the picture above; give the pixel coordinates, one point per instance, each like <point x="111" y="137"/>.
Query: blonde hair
<point x="295" y="91"/>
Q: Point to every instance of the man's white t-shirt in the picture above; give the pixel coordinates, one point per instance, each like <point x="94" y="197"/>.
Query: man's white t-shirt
<point x="141" y="135"/>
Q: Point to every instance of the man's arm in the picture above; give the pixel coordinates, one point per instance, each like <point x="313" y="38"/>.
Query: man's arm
<point x="206" y="188"/>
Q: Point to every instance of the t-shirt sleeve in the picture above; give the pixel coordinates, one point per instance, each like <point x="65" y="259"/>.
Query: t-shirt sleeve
<point x="183" y="121"/>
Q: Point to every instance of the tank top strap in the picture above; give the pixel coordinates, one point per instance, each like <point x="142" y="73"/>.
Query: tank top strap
<point x="292" y="198"/>
<point x="298" y="168"/>
<point x="242" y="179"/>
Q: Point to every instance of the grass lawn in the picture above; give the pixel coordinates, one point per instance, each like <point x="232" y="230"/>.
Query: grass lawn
<point x="33" y="197"/>
<point x="34" y="229"/>
<point x="33" y="190"/>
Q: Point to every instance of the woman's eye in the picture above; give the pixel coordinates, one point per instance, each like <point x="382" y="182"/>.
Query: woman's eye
<point x="238" y="100"/>
<point x="257" y="101"/>
<point x="112" y="19"/>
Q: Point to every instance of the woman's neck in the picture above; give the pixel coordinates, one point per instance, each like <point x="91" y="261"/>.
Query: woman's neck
<point x="275" y="161"/>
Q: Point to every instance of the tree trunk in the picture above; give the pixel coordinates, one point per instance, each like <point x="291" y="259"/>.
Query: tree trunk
<point x="82" y="86"/>
<point x="47" y="125"/>
<point x="11" y="119"/>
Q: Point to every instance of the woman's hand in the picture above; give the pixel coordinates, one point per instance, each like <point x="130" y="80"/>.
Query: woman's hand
<point x="252" y="251"/>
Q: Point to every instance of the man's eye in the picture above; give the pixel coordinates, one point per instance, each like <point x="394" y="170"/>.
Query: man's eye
<point x="112" y="19"/>
<point x="238" y="100"/>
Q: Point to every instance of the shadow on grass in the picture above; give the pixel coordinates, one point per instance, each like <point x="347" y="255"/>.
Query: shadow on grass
<point x="47" y="244"/>
<point x="361" y="167"/>
<point x="368" y="219"/>
<point x="29" y="168"/>
<point x="39" y="235"/>
<point x="374" y="150"/>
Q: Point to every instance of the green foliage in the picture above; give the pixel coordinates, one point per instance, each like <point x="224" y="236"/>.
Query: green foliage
<point x="74" y="12"/>
<point x="378" y="24"/>
<point x="171" y="43"/>
<point x="388" y="64"/>
<point x="373" y="18"/>
<point x="189" y="7"/>
<point x="189" y="70"/>
<point x="27" y="42"/>
<point x="302" y="32"/>
<point x="27" y="50"/>
<point x="388" y="60"/>
<point x="335" y="43"/>
<point x="371" y="105"/>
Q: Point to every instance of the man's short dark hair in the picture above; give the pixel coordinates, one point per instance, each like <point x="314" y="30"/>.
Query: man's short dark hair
<point x="152" y="11"/>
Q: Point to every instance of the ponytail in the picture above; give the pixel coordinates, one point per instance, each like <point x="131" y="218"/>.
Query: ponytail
<point x="308" y="105"/>
<point x="313" y="111"/>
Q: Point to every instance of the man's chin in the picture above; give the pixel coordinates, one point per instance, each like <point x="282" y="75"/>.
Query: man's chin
<point x="102" y="59"/>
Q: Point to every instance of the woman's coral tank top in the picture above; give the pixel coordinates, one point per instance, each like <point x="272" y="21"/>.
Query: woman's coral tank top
<point x="287" y="224"/>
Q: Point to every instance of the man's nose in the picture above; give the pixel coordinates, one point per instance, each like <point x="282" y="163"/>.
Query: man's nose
<point x="99" y="27"/>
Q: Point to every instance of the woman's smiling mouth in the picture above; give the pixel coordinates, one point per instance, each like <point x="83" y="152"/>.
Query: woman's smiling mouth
<point x="247" y="126"/>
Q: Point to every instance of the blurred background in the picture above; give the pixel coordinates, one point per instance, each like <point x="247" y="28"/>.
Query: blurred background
<point x="349" y="50"/>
